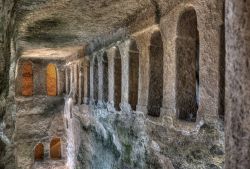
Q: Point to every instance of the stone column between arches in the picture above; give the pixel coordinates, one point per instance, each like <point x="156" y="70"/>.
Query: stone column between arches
<point x="143" y="42"/>
<point x="91" y="80"/>
<point x="99" y="55"/>
<point x="111" y="55"/>
<point x="86" y="80"/>
<point x="67" y="80"/>
<point x="71" y="79"/>
<point x="75" y="95"/>
<point x="80" y="89"/>
<point x="124" y="51"/>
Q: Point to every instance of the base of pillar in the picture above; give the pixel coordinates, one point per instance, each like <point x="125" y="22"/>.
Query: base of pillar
<point x="125" y="107"/>
<point x="168" y="112"/>
<point x="143" y="109"/>
<point x="85" y="100"/>
<point x="100" y="104"/>
<point x="111" y="107"/>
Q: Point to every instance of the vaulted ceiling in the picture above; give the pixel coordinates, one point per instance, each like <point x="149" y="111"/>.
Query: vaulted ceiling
<point x="50" y="23"/>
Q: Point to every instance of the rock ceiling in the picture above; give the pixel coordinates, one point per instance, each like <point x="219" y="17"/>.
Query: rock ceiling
<point x="49" y="23"/>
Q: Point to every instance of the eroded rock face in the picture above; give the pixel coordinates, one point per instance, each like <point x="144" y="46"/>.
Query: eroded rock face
<point x="113" y="140"/>
<point x="95" y="136"/>
<point x="238" y="84"/>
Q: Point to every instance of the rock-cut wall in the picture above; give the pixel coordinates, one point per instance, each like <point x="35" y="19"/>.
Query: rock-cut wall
<point x="7" y="24"/>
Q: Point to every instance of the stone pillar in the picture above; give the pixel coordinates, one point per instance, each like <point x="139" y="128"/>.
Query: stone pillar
<point x="60" y="80"/>
<point x="66" y="80"/>
<point x="111" y="55"/>
<point x="124" y="51"/>
<point x="80" y="89"/>
<point x="143" y="43"/>
<point x="100" y="77"/>
<point x="86" y="80"/>
<point x="71" y="79"/>
<point x="237" y="99"/>
<point x="75" y="82"/>
<point x="91" y="80"/>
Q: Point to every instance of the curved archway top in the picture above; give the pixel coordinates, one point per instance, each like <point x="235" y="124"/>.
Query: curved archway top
<point x="26" y="62"/>
<point x="133" y="47"/>
<point x="187" y="23"/>
<point x="117" y="53"/>
<point x="105" y="56"/>
<point x="111" y="52"/>
<point x="156" y="39"/>
<point x="40" y="143"/>
<point x="147" y="31"/>
<point x="99" y="54"/>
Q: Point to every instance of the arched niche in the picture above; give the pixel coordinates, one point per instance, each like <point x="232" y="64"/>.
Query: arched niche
<point x="27" y="79"/>
<point x="81" y="86"/>
<point x="39" y="152"/>
<point x="96" y="79"/>
<point x="187" y="66"/>
<point x="117" y="79"/>
<point x="105" y="78"/>
<point x="133" y="74"/>
<point x="88" y="80"/>
<point x="222" y="71"/>
<point x="55" y="148"/>
<point x="76" y="82"/>
<point x="67" y="76"/>
<point x="51" y="82"/>
<point x="156" y="75"/>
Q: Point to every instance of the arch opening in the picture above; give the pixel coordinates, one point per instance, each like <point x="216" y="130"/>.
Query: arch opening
<point x="88" y="82"/>
<point x="96" y="79"/>
<point x="68" y="80"/>
<point x="51" y="80"/>
<point x="187" y="66"/>
<point x="39" y="152"/>
<point x="27" y="79"/>
<point x="118" y="80"/>
<point x="133" y="74"/>
<point x="81" y="87"/>
<point x="55" y="148"/>
<point x="222" y="70"/>
<point x="105" y="78"/>
<point x="156" y="75"/>
<point x="76" y="80"/>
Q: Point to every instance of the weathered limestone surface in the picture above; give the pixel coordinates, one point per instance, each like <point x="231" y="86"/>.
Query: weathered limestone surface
<point x="39" y="120"/>
<point x="237" y="84"/>
<point x="97" y="136"/>
<point x="7" y="69"/>
<point x="136" y="141"/>
<point x="209" y="18"/>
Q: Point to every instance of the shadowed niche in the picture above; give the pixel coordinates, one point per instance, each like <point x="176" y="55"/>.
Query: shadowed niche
<point x="187" y="66"/>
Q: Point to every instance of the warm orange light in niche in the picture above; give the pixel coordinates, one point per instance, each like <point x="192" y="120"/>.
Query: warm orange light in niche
<point x="55" y="148"/>
<point x="39" y="152"/>
<point x="27" y="79"/>
<point x="51" y="80"/>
